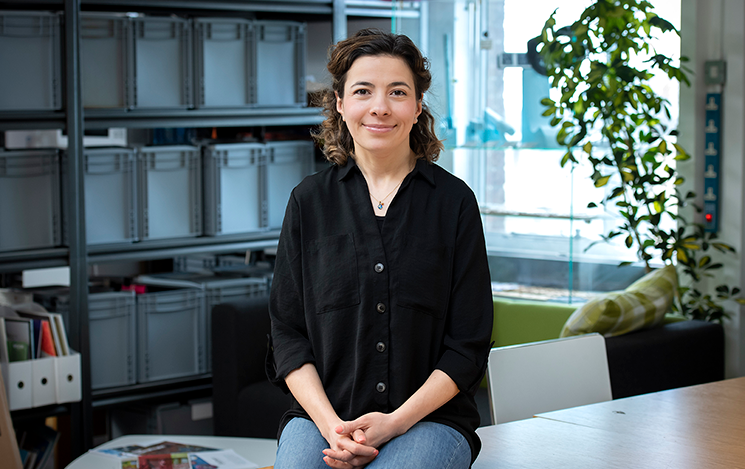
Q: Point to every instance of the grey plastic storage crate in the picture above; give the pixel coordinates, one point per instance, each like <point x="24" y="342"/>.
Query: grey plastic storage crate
<point x="287" y="163"/>
<point x="113" y="337"/>
<point x="280" y="63"/>
<point x="232" y="188"/>
<point x="169" y="192"/>
<point x="170" y="333"/>
<point x="30" y="212"/>
<point x="30" y="73"/>
<point x="192" y="418"/>
<point x="224" y="62"/>
<point x="216" y="290"/>
<point x="207" y="263"/>
<point x="196" y="263"/>
<point x="110" y="195"/>
<point x="106" y="60"/>
<point x="162" y="63"/>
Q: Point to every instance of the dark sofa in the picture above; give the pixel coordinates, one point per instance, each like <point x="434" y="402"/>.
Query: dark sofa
<point x="245" y="403"/>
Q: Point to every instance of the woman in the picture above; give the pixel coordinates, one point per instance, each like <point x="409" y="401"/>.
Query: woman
<point x="381" y="302"/>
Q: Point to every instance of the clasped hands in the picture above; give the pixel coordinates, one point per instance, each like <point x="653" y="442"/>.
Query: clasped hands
<point x="355" y="444"/>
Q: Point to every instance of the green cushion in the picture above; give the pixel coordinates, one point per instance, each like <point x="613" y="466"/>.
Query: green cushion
<point x="522" y="321"/>
<point x="642" y="305"/>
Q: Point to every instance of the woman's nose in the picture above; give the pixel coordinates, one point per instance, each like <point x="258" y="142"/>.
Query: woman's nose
<point x="380" y="106"/>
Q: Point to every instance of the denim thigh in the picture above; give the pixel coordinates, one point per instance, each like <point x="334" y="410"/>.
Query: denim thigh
<point x="427" y="445"/>
<point x="301" y="446"/>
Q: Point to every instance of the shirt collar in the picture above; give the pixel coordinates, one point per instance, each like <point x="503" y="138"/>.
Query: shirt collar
<point x="422" y="167"/>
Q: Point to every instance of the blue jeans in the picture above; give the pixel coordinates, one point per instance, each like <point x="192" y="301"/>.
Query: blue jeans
<point x="426" y="445"/>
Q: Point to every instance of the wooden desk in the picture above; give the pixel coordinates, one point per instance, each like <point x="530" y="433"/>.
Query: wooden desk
<point x="695" y="427"/>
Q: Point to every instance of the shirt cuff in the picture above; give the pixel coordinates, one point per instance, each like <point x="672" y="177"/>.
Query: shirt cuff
<point x="465" y="373"/>
<point x="277" y="368"/>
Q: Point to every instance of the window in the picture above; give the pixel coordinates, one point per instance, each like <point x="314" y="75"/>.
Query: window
<point x="487" y="98"/>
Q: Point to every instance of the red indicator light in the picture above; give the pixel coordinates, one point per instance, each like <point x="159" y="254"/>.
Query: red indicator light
<point x="708" y="217"/>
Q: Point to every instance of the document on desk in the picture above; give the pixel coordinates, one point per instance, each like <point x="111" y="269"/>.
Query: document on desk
<point x="170" y="455"/>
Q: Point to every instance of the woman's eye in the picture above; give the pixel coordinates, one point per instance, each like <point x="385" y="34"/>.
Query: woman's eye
<point x="361" y="91"/>
<point x="399" y="93"/>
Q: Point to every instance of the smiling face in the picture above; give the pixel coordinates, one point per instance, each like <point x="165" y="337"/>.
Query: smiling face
<point x="379" y="106"/>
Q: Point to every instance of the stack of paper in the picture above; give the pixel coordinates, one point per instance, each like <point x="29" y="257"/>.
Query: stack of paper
<point x="167" y="454"/>
<point x="28" y="332"/>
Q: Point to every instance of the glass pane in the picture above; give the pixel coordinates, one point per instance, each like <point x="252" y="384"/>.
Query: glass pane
<point x="486" y="96"/>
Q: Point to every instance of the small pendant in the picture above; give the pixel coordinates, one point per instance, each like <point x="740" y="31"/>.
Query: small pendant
<point x="380" y="205"/>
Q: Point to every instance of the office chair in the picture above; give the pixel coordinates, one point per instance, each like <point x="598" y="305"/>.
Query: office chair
<point x="536" y="377"/>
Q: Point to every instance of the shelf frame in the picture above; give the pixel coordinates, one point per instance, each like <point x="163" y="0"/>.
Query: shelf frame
<point x="74" y="120"/>
<point x="152" y="250"/>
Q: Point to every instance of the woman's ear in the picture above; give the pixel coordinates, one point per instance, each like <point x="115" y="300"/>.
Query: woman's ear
<point x="339" y="105"/>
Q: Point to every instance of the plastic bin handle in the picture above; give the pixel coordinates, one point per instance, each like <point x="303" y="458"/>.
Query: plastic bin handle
<point x="224" y="32"/>
<point x="113" y="167"/>
<point x="166" y="164"/>
<point x="100" y="28"/>
<point x="178" y="307"/>
<point x="278" y="34"/>
<point x="37" y="27"/>
<point x="25" y="170"/>
<point x="160" y="31"/>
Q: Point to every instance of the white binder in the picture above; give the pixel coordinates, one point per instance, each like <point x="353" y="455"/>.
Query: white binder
<point x="18" y="383"/>
<point x="44" y="381"/>
<point x="68" y="378"/>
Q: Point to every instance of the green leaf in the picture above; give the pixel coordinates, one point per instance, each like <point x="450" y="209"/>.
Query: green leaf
<point x="629" y="241"/>
<point x="567" y="156"/>
<point x="548" y="102"/>
<point x="662" y="24"/>
<point x="600" y="182"/>
<point x="681" y="154"/>
<point x="587" y="148"/>
<point x="682" y="257"/>
<point x="722" y="247"/>
<point x="662" y="147"/>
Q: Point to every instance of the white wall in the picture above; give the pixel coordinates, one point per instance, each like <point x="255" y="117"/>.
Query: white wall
<point x="714" y="30"/>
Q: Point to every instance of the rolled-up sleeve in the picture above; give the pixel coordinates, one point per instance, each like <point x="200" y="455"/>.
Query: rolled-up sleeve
<point x="469" y="317"/>
<point x="289" y="347"/>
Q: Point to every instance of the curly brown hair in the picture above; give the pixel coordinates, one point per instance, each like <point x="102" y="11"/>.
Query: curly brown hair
<point x="333" y="134"/>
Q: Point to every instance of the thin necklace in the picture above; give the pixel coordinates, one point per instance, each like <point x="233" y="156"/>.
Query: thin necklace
<point x="381" y="201"/>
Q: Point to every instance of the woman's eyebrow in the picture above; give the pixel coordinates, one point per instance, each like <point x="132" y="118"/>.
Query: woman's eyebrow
<point x="363" y="83"/>
<point x="390" y="85"/>
<point x="399" y="83"/>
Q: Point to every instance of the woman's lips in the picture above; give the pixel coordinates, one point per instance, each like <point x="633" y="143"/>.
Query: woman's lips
<point x="378" y="127"/>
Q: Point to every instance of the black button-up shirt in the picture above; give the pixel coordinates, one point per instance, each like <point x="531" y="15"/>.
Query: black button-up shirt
<point x="377" y="310"/>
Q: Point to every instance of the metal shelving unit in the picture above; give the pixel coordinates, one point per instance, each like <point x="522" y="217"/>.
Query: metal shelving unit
<point x="73" y="120"/>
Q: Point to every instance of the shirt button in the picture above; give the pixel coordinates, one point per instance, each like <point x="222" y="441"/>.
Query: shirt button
<point x="380" y="387"/>
<point x="381" y="308"/>
<point x="380" y="347"/>
<point x="379" y="267"/>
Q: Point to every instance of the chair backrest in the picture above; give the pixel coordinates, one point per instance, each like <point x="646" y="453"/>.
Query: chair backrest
<point x="536" y="377"/>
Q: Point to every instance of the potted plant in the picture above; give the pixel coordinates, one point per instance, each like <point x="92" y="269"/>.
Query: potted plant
<point x="609" y="115"/>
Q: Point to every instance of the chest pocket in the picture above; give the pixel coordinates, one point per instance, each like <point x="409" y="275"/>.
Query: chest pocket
<point x="330" y="268"/>
<point x="424" y="276"/>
